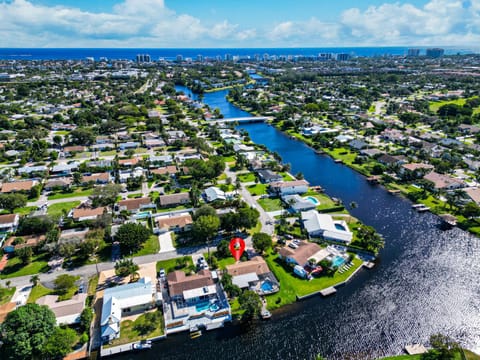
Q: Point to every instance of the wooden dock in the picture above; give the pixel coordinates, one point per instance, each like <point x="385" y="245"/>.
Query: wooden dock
<point x="328" y="291"/>
<point x="449" y="219"/>
<point x="394" y="191"/>
<point x="369" y="265"/>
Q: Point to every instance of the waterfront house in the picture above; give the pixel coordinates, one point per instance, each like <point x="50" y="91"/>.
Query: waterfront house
<point x="174" y="199"/>
<point x="267" y="176"/>
<point x="415" y="170"/>
<point x="302" y="254"/>
<point x="297" y="203"/>
<point x="444" y="182"/>
<point x="128" y="299"/>
<point x="289" y="187"/>
<point x="135" y="205"/>
<point x="174" y="222"/>
<point x="323" y="225"/>
<point x="66" y="312"/>
<point x="255" y="275"/>
<point x="195" y="301"/>
<point x="18" y="186"/>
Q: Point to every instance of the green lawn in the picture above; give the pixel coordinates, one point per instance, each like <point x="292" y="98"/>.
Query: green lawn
<point x="468" y="354"/>
<point x="151" y="246"/>
<point x="246" y="177"/>
<point x="292" y="286"/>
<point x="76" y="193"/>
<point x="133" y="196"/>
<point x="15" y="268"/>
<point x="24" y="210"/>
<point x="130" y="331"/>
<point x="172" y="265"/>
<point x="92" y="285"/>
<point x="6" y="294"/>
<point x="57" y="209"/>
<point x="222" y="176"/>
<point x="179" y="207"/>
<point x="343" y="154"/>
<point x="269" y="204"/>
<point x="435" y="105"/>
<point x="222" y="263"/>
<point x="108" y="153"/>
<point x="62" y="132"/>
<point x="257" y="189"/>
<point x="286" y="177"/>
<point x="37" y="292"/>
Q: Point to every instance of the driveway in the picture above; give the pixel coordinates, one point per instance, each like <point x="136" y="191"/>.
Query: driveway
<point x="165" y="241"/>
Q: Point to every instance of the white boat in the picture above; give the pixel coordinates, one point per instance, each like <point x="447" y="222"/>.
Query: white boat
<point x="195" y="334"/>
<point x="266" y="314"/>
<point x="142" y="345"/>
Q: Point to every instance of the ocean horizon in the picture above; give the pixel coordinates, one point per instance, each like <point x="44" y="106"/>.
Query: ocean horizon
<point x="172" y="53"/>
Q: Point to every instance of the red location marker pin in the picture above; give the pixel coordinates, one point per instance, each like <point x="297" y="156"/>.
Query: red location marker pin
<point x="237" y="246"/>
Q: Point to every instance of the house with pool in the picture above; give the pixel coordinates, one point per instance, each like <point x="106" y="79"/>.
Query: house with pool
<point x="297" y="203"/>
<point x="255" y="275"/>
<point x="289" y="187"/>
<point x="195" y="302"/>
<point x="324" y="226"/>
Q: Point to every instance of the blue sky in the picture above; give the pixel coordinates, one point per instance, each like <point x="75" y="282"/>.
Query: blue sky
<point x="245" y="23"/>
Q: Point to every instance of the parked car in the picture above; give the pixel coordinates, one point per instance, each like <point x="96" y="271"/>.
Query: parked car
<point x="293" y="245"/>
<point x="161" y="274"/>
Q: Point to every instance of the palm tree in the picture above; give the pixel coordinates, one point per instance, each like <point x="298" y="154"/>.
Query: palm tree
<point x="35" y="279"/>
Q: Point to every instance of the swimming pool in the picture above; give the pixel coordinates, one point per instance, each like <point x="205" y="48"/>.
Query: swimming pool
<point x="312" y="200"/>
<point x="203" y="306"/>
<point x="266" y="286"/>
<point x="338" y="261"/>
<point x="340" y="227"/>
<point x="142" y="215"/>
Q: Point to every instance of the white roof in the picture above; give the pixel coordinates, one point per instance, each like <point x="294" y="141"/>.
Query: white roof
<point x="213" y="193"/>
<point x="206" y="290"/>
<point x="242" y="281"/>
<point x="315" y="222"/>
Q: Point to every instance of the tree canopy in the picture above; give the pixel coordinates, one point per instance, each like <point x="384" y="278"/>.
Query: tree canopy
<point x="26" y="331"/>
<point x="251" y="304"/>
<point x="131" y="237"/>
<point x="105" y="195"/>
<point x="261" y="241"/>
<point x="12" y="201"/>
<point x="205" y="227"/>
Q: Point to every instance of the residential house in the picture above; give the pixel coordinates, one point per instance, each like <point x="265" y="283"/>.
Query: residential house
<point x="415" y="170"/>
<point x="28" y="241"/>
<point x="323" y="225"/>
<point x="444" y="182"/>
<point x="473" y="194"/>
<point x="84" y="214"/>
<point x="71" y="150"/>
<point x="124" y="300"/>
<point x="161" y="159"/>
<point x="393" y="135"/>
<point x="371" y="152"/>
<point x="73" y="236"/>
<point x="176" y="135"/>
<point x="297" y="203"/>
<point x="9" y="223"/>
<point x="195" y="301"/>
<point x="129" y="162"/>
<point x="65" y="169"/>
<point x="289" y="187"/>
<point x="390" y="160"/>
<point x="129" y="145"/>
<point x="135" y="205"/>
<point x="98" y="178"/>
<point x="174" y="199"/>
<point x="66" y="312"/>
<point x="242" y="148"/>
<point x="302" y="254"/>
<point x="174" y="222"/>
<point x="154" y="143"/>
<point x="267" y="176"/>
<point x="255" y="275"/>
<point x="58" y="183"/>
<point x="357" y="144"/>
<point x="166" y="170"/>
<point x="29" y="170"/>
<point x="18" y="186"/>
<point x="213" y="194"/>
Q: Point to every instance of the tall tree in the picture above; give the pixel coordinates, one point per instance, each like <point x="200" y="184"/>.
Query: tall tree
<point x="131" y="237"/>
<point x="105" y="195"/>
<point x="126" y="267"/>
<point x="59" y="343"/>
<point x="261" y="242"/>
<point x="25" y="332"/>
<point x="12" y="201"/>
<point x="205" y="227"/>
<point x="250" y="303"/>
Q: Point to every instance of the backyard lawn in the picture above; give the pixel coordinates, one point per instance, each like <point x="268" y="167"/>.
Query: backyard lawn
<point x="24" y="210"/>
<point x="173" y="264"/>
<point x="15" y="267"/>
<point x="257" y="189"/>
<point x="151" y="246"/>
<point x="37" y="292"/>
<point x="342" y="154"/>
<point x="269" y="204"/>
<point x="132" y="331"/>
<point x="286" y="176"/>
<point x="292" y="286"/>
<point x="6" y="294"/>
<point x="62" y="195"/>
<point x="246" y="177"/>
<point x="57" y="209"/>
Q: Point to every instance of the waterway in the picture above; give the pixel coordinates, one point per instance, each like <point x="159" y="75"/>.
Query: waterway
<point x="426" y="280"/>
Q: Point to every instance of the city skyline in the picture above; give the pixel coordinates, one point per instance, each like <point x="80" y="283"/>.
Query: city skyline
<point x="214" y="23"/>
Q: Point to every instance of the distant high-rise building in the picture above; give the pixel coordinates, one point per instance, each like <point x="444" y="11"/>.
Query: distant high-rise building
<point x="256" y="57"/>
<point x="413" y="52"/>
<point x="266" y="57"/>
<point x="143" y="58"/>
<point x="179" y="58"/>
<point x="325" y="56"/>
<point x="343" y="57"/>
<point x="435" y="52"/>
<point x="228" y="57"/>
<point x="200" y="58"/>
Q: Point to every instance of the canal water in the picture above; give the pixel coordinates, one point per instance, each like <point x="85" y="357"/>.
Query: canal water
<point x="426" y="280"/>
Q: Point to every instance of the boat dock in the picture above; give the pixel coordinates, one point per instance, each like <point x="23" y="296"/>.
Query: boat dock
<point x="415" y="349"/>
<point x="328" y="291"/>
<point x="374" y="179"/>
<point x="420" y="207"/>
<point x="369" y="265"/>
<point x="394" y="191"/>
<point x="449" y="219"/>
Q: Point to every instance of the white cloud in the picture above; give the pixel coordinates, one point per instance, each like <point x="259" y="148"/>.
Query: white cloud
<point x="150" y="23"/>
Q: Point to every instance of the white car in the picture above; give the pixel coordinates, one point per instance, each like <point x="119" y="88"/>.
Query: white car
<point x="293" y="245"/>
